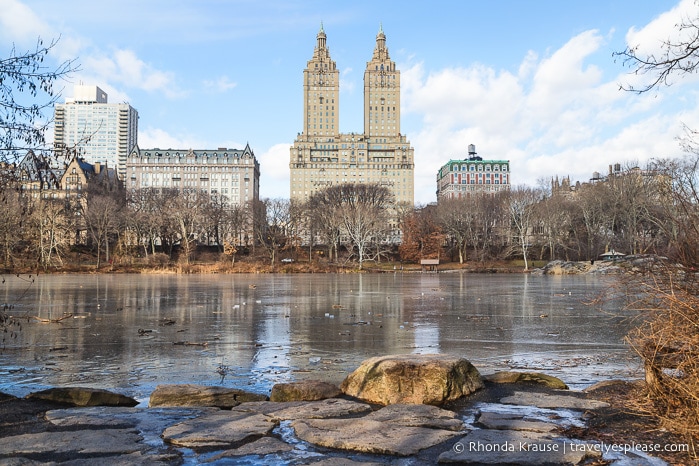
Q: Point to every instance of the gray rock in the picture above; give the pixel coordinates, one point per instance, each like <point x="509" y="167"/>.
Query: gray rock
<point x="368" y="436"/>
<point x="418" y="416"/>
<point x="310" y="390"/>
<point x="220" y="430"/>
<point x="76" y="444"/>
<point x="78" y="396"/>
<point x="93" y="417"/>
<point x="542" y="400"/>
<point x="526" y="377"/>
<point x="201" y="395"/>
<point x="504" y="421"/>
<point x="412" y="378"/>
<point x="336" y="461"/>
<point x="284" y="411"/>
<point x="618" y="384"/>
<point x="513" y="447"/>
<point x="261" y="447"/>
<point x="132" y="459"/>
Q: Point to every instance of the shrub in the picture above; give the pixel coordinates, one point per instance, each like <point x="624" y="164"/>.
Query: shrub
<point x="667" y="340"/>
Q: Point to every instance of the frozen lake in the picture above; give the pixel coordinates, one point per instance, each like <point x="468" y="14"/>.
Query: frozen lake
<point x="131" y="332"/>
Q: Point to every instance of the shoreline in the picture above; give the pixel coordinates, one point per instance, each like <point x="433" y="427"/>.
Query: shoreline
<point x="614" y="420"/>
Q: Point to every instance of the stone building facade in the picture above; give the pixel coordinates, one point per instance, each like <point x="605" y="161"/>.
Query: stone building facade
<point x="232" y="173"/>
<point x="321" y="156"/>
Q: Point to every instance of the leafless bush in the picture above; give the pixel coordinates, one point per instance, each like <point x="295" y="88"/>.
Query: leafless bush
<point x="667" y="340"/>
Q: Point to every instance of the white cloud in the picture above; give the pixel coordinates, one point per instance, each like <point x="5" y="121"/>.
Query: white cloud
<point x="20" y="25"/>
<point x="125" y="69"/>
<point x="557" y="116"/>
<point x="221" y="84"/>
<point x="274" y="171"/>
<point x="150" y="138"/>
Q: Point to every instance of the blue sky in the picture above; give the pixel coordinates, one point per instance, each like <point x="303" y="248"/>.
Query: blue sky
<point x="533" y="82"/>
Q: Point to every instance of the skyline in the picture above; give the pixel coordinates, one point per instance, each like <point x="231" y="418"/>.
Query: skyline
<point x="533" y="84"/>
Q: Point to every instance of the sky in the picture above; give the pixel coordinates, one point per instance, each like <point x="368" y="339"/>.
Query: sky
<point x="532" y="82"/>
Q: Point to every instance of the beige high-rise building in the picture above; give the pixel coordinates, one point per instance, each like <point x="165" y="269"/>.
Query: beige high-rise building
<point x="322" y="156"/>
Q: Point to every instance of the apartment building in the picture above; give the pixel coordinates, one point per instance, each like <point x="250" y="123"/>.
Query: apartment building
<point x="96" y="130"/>
<point x="472" y="175"/>
<point x="231" y="173"/>
<point x="322" y="156"/>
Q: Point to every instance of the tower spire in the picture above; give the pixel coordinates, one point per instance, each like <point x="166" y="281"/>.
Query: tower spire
<point x="321" y="37"/>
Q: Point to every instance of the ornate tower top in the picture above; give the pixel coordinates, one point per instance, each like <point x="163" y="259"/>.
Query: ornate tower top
<point x="321" y="49"/>
<point x="380" y="51"/>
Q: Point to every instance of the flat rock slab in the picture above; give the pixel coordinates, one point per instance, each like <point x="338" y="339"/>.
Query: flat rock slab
<point x="335" y="461"/>
<point x="514" y="447"/>
<point x="527" y="377"/>
<point x="418" y="416"/>
<point x="201" y="396"/>
<point x="78" y="396"/>
<point x="504" y="421"/>
<point x="76" y="444"/>
<point x="150" y="422"/>
<point x="291" y="410"/>
<point x="261" y="447"/>
<point x="310" y="390"/>
<point x="221" y="430"/>
<point x="368" y="436"/>
<point x="542" y="400"/>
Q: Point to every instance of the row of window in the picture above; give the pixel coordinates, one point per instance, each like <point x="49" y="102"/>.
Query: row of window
<point x="472" y="167"/>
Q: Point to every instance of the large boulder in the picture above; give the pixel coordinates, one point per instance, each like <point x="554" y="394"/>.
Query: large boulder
<point x="201" y="396"/>
<point x="311" y="390"/>
<point x="413" y="379"/>
<point x="78" y="396"/>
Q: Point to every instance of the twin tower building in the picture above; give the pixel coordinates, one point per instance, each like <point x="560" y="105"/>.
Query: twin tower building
<point x="322" y="156"/>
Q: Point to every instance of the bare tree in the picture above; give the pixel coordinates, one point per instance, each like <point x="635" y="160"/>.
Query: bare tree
<point x="50" y="231"/>
<point x="273" y="229"/>
<point x="101" y="214"/>
<point x="554" y="215"/>
<point x="185" y="210"/>
<point x="678" y="55"/>
<point x="26" y="92"/>
<point x="454" y="216"/>
<point x="13" y="210"/>
<point x="364" y="211"/>
<point x="422" y="235"/>
<point x="597" y="217"/>
<point x="143" y="220"/>
<point x="323" y="213"/>
<point x="521" y="202"/>
<point x="678" y="216"/>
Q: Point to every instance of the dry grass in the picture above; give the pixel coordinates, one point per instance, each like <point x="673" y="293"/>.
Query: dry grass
<point x="667" y="340"/>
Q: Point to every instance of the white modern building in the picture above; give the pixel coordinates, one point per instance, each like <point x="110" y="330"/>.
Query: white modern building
<point x="98" y="131"/>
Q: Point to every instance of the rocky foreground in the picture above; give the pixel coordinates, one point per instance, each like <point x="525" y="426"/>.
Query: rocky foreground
<point x="391" y="410"/>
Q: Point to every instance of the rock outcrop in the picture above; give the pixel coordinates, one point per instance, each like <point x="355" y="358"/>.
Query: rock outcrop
<point x="413" y="379"/>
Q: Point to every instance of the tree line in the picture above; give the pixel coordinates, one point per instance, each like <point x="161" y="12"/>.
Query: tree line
<point x="649" y="210"/>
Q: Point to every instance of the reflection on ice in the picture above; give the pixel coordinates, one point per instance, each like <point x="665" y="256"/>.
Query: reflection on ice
<point x="138" y="331"/>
